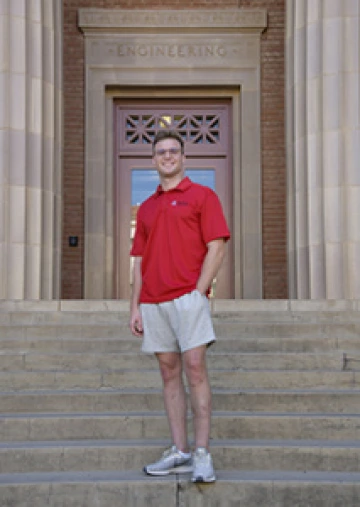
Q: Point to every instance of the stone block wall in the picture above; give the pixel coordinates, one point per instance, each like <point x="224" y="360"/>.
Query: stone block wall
<point x="30" y="148"/>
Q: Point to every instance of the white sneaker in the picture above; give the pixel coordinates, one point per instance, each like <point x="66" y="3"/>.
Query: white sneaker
<point x="203" y="470"/>
<point x="171" y="462"/>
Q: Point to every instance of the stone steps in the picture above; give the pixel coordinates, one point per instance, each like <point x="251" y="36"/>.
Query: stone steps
<point x="63" y="341"/>
<point x="114" y="400"/>
<point x="239" y="454"/>
<point x="130" y="379"/>
<point x="233" y="488"/>
<point x="34" y="361"/>
<point x="82" y="409"/>
<point x="225" y="424"/>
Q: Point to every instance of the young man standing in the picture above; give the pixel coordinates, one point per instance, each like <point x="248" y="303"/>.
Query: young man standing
<point x="178" y="247"/>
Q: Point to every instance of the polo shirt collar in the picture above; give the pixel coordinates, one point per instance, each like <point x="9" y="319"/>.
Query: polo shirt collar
<point x="184" y="184"/>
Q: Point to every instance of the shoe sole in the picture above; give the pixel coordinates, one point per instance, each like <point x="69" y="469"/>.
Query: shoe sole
<point x="201" y="479"/>
<point x="182" y="469"/>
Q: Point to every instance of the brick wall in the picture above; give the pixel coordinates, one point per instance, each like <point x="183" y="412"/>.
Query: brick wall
<point x="273" y="137"/>
<point x="273" y="148"/>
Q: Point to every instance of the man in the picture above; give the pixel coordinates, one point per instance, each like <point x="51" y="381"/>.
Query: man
<point x="179" y="245"/>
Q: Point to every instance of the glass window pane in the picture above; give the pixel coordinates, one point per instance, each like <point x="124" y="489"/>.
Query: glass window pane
<point x="143" y="184"/>
<point x="144" y="181"/>
<point x="203" y="176"/>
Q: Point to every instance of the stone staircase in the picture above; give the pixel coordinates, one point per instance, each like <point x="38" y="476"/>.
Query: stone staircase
<point x="81" y="408"/>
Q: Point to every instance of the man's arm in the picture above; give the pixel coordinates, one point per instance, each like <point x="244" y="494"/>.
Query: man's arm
<point x="135" y="316"/>
<point x="211" y="264"/>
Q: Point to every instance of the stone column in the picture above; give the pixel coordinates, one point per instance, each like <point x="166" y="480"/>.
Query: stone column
<point x="30" y="148"/>
<point x="323" y="148"/>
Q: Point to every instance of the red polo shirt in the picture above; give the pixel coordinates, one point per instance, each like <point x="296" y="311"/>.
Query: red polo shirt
<point x="172" y="232"/>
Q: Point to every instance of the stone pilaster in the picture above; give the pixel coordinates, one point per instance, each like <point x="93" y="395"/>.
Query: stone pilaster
<point x="30" y="148"/>
<point x="323" y="148"/>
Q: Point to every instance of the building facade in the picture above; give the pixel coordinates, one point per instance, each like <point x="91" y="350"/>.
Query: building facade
<point x="266" y="97"/>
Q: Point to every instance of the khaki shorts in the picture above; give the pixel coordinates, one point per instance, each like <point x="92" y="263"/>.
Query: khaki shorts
<point x="178" y="325"/>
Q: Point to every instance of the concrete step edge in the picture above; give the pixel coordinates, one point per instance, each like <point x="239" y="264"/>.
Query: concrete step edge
<point x="281" y="476"/>
<point x="156" y="371"/>
<point x="243" y="305"/>
<point x="163" y="444"/>
<point x="159" y="413"/>
<point x="210" y="353"/>
<point x="222" y="391"/>
<point x="141" y="390"/>
<point x="238" y="335"/>
<point x="25" y="359"/>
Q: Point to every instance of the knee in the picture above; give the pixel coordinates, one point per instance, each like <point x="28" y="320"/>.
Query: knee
<point x="170" y="371"/>
<point x="196" y="371"/>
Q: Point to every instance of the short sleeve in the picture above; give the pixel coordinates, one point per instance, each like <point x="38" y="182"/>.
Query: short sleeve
<point x="213" y="222"/>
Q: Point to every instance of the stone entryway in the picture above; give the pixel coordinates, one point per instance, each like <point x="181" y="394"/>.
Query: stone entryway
<point x="204" y="125"/>
<point x="197" y="55"/>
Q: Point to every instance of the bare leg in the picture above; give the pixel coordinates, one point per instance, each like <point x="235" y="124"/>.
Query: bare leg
<point x="200" y="393"/>
<point x="170" y="364"/>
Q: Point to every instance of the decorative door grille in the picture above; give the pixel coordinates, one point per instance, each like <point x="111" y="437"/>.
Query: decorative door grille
<point x="204" y="131"/>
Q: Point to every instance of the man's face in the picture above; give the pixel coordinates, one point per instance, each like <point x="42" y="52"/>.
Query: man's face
<point x="168" y="158"/>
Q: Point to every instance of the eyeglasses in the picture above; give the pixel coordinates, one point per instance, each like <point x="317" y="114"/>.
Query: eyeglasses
<point x="171" y="151"/>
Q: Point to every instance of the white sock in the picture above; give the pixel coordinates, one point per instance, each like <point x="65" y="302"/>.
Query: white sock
<point x="184" y="454"/>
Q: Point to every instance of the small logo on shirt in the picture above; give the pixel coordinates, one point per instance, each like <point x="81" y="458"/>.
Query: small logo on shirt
<point x="179" y="203"/>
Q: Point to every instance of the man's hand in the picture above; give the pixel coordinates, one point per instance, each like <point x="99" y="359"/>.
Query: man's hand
<point x="136" y="323"/>
<point x="211" y="264"/>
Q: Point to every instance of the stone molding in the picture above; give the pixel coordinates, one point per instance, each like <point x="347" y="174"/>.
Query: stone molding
<point x="125" y="50"/>
<point x="93" y="20"/>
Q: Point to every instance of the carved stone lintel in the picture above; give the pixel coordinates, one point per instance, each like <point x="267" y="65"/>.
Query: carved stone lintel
<point x="210" y="20"/>
<point x="180" y="51"/>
